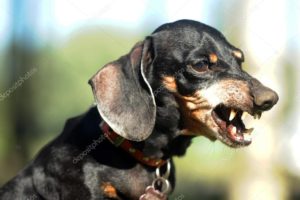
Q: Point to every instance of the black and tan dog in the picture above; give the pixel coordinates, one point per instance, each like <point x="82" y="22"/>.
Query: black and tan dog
<point x="183" y="80"/>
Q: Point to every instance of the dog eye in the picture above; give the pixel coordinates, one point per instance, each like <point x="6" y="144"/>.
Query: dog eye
<point x="201" y="66"/>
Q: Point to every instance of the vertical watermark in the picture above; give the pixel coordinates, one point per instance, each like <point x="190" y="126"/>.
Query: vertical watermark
<point x="17" y="84"/>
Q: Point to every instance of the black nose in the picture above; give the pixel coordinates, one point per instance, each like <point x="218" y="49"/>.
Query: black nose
<point x="264" y="98"/>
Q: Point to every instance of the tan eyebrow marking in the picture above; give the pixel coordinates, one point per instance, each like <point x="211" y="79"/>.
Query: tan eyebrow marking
<point x="238" y="54"/>
<point x="213" y="58"/>
<point x="170" y="83"/>
<point x="109" y="190"/>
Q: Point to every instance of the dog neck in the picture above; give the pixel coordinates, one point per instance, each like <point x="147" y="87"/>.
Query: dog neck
<point x="164" y="142"/>
<point x="166" y="139"/>
<point x="127" y="146"/>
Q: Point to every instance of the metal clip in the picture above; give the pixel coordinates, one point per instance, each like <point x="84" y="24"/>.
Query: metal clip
<point x="162" y="185"/>
<point x="161" y="182"/>
<point x="167" y="173"/>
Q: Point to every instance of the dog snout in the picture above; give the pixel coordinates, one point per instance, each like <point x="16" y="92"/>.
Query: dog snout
<point x="264" y="97"/>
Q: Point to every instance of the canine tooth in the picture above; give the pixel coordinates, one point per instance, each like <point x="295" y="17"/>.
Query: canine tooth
<point x="234" y="130"/>
<point x="249" y="131"/>
<point x="243" y="115"/>
<point x="232" y="115"/>
<point x="259" y="115"/>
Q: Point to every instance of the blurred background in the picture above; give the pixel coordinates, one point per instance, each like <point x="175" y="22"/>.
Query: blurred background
<point x="50" y="48"/>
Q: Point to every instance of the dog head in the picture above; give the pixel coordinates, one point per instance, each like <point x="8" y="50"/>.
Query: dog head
<point x="197" y="66"/>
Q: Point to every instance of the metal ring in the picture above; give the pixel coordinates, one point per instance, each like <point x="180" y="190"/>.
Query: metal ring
<point x="164" y="182"/>
<point x="167" y="173"/>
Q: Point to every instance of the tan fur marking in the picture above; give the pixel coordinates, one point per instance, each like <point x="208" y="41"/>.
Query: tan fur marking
<point x="194" y="121"/>
<point x="109" y="190"/>
<point x="197" y="108"/>
<point x="170" y="83"/>
<point x="238" y="54"/>
<point x="213" y="58"/>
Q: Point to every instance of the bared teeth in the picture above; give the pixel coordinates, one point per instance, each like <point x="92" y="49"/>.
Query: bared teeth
<point x="232" y="115"/>
<point x="257" y="115"/>
<point x="243" y="115"/>
<point x="246" y="114"/>
<point x="233" y="130"/>
<point x="248" y="137"/>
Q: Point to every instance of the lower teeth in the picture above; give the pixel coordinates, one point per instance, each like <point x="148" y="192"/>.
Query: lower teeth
<point x="247" y="137"/>
<point x="238" y="135"/>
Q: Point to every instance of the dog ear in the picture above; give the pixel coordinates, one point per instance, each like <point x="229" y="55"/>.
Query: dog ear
<point x="124" y="96"/>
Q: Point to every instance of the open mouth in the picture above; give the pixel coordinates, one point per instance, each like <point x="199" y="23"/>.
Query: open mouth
<point x="230" y="122"/>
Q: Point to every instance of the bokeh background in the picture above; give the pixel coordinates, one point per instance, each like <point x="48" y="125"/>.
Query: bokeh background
<point x="50" y="48"/>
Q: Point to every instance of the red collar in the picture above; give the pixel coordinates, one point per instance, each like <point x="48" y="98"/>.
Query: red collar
<point x="125" y="144"/>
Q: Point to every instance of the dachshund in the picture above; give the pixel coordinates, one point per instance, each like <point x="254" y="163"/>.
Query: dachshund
<point x="182" y="81"/>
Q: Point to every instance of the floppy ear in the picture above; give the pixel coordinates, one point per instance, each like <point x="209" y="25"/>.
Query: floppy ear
<point x="124" y="97"/>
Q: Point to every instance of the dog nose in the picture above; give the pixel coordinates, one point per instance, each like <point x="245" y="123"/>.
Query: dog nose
<point x="265" y="98"/>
